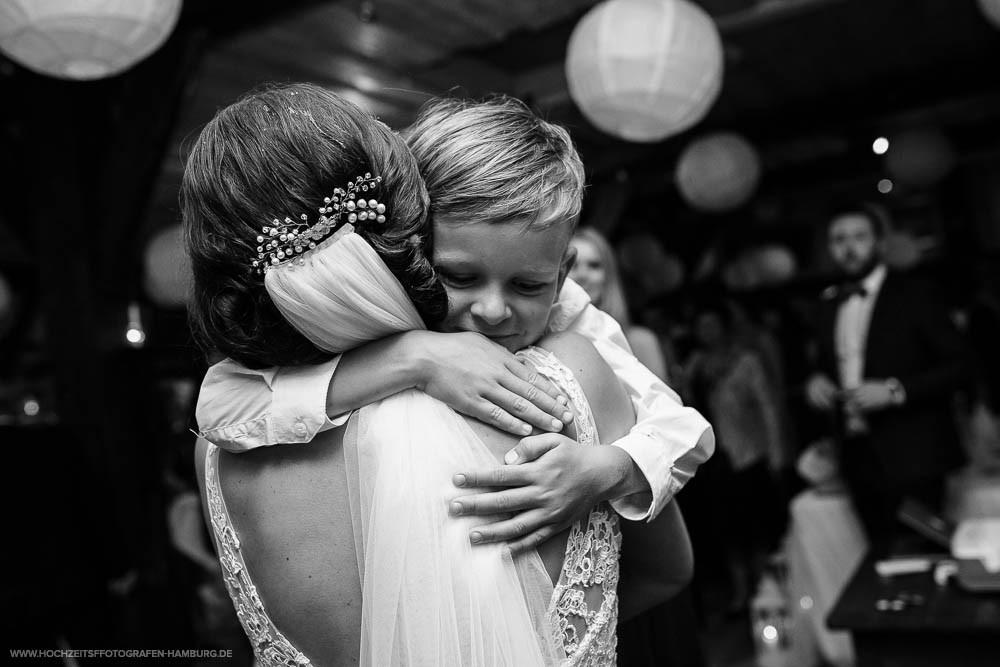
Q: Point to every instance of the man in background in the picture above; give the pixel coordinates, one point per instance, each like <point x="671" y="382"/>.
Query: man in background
<point x="889" y="362"/>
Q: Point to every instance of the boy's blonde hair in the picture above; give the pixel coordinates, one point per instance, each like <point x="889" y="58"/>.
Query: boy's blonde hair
<point x="494" y="160"/>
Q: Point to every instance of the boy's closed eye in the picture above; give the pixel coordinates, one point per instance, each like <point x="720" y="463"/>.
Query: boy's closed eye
<point x="456" y="279"/>
<point x="530" y="288"/>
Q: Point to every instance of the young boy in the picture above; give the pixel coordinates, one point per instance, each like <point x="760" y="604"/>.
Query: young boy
<point x="484" y="163"/>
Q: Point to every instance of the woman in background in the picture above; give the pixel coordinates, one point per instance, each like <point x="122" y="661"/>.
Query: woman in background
<point x="596" y="271"/>
<point x="666" y="634"/>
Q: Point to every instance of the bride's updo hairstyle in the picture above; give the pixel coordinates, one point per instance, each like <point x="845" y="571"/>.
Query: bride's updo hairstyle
<point x="278" y="152"/>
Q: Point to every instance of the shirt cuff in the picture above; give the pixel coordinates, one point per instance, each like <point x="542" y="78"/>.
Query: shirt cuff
<point x="652" y="461"/>
<point x="298" y="409"/>
<point x="240" y="437"/>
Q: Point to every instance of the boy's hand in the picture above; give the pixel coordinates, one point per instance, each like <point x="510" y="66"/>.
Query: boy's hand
<point x="557" y="480"/>
<point x="475" y="376"/>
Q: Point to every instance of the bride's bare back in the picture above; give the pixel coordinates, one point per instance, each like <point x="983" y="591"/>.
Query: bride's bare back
<point x="290" y="507"/>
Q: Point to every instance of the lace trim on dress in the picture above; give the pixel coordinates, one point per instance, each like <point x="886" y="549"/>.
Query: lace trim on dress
<point x="269" y="645"/>
<point x="584" y="606"/>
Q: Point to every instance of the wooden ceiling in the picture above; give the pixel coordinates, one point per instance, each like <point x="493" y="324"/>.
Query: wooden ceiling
<point x="802" y="77"/>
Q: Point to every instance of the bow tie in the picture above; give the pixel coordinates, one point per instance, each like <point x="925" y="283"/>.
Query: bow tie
<point x="848" y="289"/>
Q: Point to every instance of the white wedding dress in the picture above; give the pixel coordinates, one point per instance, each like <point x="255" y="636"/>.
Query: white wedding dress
<point x="429" y="597"/>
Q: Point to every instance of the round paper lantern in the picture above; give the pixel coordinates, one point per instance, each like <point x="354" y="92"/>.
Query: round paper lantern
<point x="644" y="70"/>
<point x="84" y="39"/>
<point x="919" y="158"/>
<point x="655" y="270"/>
<point x="991" y="10"/>
<point x="775" y="264"/>
<point x="167" y="269"/>
<point x="718" y="172"/>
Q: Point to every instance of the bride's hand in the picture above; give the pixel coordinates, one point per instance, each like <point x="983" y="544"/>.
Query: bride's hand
<point x="559" y="480"/>
<point x="475" y="376"/>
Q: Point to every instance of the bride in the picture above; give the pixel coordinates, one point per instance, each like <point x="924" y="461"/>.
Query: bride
<point x="343" y="551"/>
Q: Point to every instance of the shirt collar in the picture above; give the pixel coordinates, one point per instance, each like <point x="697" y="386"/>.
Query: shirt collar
<point x="873" y="281"/>
<point x="572" y="301"/>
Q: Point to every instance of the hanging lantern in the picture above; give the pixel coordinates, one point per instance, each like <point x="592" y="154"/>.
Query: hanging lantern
<point x="718" y="172"/>
<point x="84" y="39"/>
<point x="644" y="70"/>
<point x="991" y="10"/>
<point x="167" y="269"/>
<point x="653" y="269"/>
<point x="919" y="158"/>
<point x="775" y="264"/>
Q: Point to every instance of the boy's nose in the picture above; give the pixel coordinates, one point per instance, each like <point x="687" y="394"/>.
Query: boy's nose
<point x="491" y="308"/>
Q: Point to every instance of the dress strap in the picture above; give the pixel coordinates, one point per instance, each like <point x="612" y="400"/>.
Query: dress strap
<point x="269" y="645"/>
<point x="549" y="365"/>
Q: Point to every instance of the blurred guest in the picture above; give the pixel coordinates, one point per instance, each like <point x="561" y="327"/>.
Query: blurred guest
<point x="889" y="363"/>
<point x="668" y="633"/>
<point x="596" y="270"/>
<point x="729" y="381"/>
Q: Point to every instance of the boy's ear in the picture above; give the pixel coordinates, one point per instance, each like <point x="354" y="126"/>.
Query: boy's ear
<point x="568" y="260"/>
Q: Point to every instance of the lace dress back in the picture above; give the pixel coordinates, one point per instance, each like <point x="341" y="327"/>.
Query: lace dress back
<point x="270" y="647"/>
<point x="583" y="608"/>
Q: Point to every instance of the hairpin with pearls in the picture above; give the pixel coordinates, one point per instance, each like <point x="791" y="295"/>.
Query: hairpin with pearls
<point x="282" y="242"/>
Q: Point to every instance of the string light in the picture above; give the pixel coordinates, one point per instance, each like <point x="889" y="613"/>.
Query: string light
<point x="31" y="407"/>
<point x="880" y="146"/>
<point x="885" y="186"/>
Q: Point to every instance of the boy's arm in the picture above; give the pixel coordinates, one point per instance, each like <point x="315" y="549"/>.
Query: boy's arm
<point x="669" y="441"/>
<point x="240" y="409"/>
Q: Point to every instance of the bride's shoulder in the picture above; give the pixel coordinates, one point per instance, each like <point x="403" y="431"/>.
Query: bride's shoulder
<point x="577" y="355"/>
<point x="573" y="351"/>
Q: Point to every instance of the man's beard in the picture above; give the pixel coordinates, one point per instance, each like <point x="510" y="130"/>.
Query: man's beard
<point x="866" y="268"/>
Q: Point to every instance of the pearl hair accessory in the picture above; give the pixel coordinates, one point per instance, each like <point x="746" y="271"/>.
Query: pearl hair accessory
<point x="281" y="242"/>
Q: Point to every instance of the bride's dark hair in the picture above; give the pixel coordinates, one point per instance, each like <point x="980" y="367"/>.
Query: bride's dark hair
<point x="277" y="153"/>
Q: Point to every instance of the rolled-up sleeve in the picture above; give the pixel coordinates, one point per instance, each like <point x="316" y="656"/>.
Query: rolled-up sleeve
<point x="240" y="409"/>
<point x="667" y="442"/>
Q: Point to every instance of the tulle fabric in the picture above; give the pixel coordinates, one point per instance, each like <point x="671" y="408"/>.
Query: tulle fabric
<point x="341" y="295"/>
<point x="429" y="597"/>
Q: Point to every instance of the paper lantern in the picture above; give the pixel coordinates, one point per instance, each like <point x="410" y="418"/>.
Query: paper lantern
<point x="775" y="264"/>
<point x="718" y="172"/>
<point x="991" y="10"/>
<point x="84" y="39"/>
<point x="644" y="70"/>
<point x="167" y="269"/>
<point x="655" y="270"/>
<point x="919" y="158"/>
